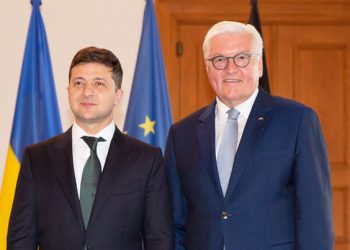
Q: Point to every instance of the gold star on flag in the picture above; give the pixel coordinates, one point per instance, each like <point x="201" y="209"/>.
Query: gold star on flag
<point x="148" y="126"/>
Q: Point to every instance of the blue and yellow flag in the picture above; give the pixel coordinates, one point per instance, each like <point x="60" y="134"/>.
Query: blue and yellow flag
<point x="149" y="117"/>
<point x="36" y="117"/>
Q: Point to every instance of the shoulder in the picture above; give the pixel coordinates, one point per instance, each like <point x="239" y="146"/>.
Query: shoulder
<point x="287" y="103"/>
<point x="285" y="111"/>
<point x="265" y="101"/>
<point x="279" y="106"/>
<point x="124" y="140"/>
<point x="290" y="107"/>
<point x="56" y="141"/>
<point x="196" y="117"/>
<point x="135" y="152"/>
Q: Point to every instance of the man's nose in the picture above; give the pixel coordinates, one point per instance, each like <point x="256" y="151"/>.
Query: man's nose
<point x="231" y="66"/>
<point x="88" y="89"/>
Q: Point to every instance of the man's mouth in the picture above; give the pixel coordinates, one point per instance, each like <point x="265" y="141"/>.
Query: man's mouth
<point x="232" y="80"/>
<point x="87" y="104"/>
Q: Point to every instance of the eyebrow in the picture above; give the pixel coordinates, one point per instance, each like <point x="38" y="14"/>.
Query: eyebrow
<point x="82" y="78"/>
<point x="99" y="78"/>
<point x="242" y="52"/>
<point x="78" y="78"/>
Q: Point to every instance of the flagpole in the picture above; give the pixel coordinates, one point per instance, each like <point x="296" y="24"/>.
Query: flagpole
<point x="254" y="20"/>
<point x="148" y="116"/>
<point x="36" y="115"/>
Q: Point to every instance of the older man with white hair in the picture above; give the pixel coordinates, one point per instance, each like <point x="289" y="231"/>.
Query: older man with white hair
<point x="250" y="171"/>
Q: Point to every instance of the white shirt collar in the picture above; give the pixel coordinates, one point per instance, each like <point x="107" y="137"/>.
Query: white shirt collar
<point x="244" y="108"/>
<point x="107" y="133"/>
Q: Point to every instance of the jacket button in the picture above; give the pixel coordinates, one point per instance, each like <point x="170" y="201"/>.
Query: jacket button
<point x="225" y="215"/>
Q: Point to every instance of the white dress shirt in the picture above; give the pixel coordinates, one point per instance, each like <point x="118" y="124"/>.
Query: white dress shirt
<point x="81" y="150"/>
<point x="221" y="117"/>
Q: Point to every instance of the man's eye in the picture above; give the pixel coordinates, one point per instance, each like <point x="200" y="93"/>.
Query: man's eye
<point x="220" y="59"/>
<point x="100" y="84"/>
<point x="77" y="83"/>
<point x="242" y="57"/>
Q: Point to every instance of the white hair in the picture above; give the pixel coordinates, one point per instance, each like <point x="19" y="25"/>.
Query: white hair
<point x="225" y="27"/>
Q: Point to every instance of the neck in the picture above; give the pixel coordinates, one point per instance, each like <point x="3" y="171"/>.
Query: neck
<point x="92" y="128"/>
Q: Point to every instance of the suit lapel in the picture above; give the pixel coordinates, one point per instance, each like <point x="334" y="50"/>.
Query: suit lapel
<point x="257" y="121"/>
<point x="118" y="148"/>
<point x="206" y="139"/>
<point x="62" y="160"/>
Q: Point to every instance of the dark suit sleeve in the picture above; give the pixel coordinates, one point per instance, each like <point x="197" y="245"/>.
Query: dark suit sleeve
<point x="158" y="229"/>
<point x="22" y="231"/>
<point x="177" y="198"/>
<point x="312" y="187"/>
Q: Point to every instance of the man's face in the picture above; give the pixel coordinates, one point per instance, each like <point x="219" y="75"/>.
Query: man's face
<point x="233" y="85"/>
<point x="92" y="95"/>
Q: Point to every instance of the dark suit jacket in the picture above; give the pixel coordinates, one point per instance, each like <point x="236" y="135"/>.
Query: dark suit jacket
<point x="132" y="201"/>
<point x="279" y="194"/>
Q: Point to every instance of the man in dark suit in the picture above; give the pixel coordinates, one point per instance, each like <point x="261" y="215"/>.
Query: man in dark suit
<point x="250" y="171"/>
<point x="92" y="187"/>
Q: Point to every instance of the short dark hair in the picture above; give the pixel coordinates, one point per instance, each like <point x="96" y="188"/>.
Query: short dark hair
<point x="102" y="56"/>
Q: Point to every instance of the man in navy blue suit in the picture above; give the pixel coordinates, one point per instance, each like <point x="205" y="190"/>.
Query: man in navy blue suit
<point x="275" y="192"/>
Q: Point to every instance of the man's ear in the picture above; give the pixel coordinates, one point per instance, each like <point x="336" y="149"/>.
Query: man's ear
<point x="118" y="96"/>
<point x="260" y="66"/>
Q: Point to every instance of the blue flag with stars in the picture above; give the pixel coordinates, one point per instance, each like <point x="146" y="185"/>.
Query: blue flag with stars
<point x="149" y="117"/>
<point x="36" y="115"/>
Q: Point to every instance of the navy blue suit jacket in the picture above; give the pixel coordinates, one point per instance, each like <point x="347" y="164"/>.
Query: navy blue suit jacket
<point x="131" y="206"/>
<point x="279" y="194"/>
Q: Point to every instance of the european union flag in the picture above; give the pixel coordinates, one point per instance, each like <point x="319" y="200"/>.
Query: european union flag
<point x="149" y="117"/>
<point x="36" y="116"/>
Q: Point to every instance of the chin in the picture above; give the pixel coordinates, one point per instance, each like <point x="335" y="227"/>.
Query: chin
<point x="233" y="94"/>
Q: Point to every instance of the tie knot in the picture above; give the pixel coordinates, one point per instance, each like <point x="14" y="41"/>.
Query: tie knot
<point x="232" y="114"/>
<point x="92" y="141"/>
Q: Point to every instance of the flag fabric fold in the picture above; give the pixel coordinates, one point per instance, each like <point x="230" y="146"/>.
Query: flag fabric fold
<point x="254" y="20"/>
<point x="148" y="116"/>
<point x="36" y="115"/>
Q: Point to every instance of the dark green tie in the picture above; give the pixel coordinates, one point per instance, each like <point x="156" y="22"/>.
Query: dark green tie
<point x="90" y="178"/>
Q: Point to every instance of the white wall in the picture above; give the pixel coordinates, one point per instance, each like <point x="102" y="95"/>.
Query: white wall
<point x="70" y="25"/>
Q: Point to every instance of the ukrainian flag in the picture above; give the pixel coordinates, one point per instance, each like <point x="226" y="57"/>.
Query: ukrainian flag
<point x="149" y="117"/>
<point x="36" y="116"/>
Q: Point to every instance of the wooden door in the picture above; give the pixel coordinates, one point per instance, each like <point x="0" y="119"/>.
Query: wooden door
<point x="316" y="59"/>
<point x="194" y="86"/>
<point x="307" y="46"/>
